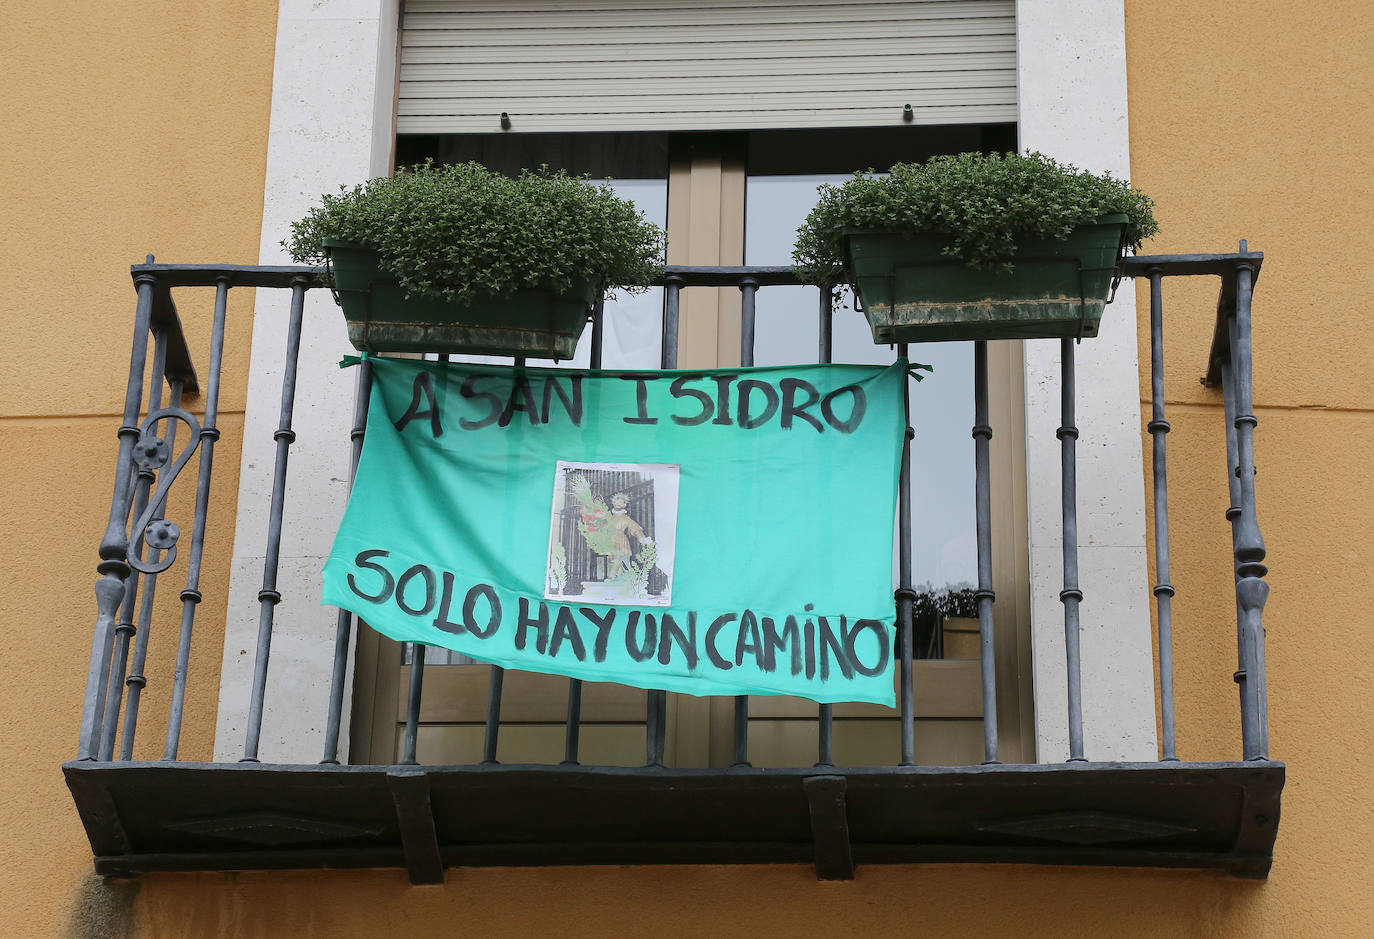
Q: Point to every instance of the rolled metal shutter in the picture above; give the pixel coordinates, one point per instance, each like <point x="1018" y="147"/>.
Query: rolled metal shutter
<point x="622" y="65"/>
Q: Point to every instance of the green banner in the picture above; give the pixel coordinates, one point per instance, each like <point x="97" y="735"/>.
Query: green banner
<point x="713" y="532"/>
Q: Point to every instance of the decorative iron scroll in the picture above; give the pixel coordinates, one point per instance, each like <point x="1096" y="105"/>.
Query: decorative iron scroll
<point x="150" y="528"/>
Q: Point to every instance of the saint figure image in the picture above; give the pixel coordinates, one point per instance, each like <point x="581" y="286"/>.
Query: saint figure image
<point x="622" y="528"/>
<point x="610" y="521"/>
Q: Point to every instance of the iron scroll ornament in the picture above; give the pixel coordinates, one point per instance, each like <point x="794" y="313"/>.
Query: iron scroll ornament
<point x="150" y="527"/>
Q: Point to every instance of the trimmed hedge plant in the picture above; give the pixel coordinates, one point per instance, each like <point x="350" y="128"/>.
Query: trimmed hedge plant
<point x="464" y="233"/>
<point x="983" y="203"/>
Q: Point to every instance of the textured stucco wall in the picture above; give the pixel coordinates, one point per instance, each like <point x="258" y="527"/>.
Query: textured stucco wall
<point x="142" y="126"/>
<point x="128" y="127"/>
<point x="1257" y="126"/>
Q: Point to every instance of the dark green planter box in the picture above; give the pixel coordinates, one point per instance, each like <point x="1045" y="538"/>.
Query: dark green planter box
<point x="910" y="292"/>
<point x="381" y="318"/>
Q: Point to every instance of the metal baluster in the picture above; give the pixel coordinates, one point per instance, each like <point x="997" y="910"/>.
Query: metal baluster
<point x="656" y="705"/>
<point x="598" y="333"/>
<point x="826" y="324"/>
<point x="825" y="734"/>
<point x="417" y="681"/>
<point x="573" y="728"/>
<point x="268" y="597"/>
<point x="136" y="680"/>
<point x="497" y="680"/>
<point x="982" y="437"/>
<point x="114" y="568"/>
<point x="493" y="728"/>
<point x="1164" y="590"/>
<point x="905" y="594"/>
<point x="415" y="691"/>
<point x="655" y="734"/>
<point x="749" y="288"/>
<point x="125" y="629"/>
<point x="1251" y="590"/>
<point x="190" y="596"/>
<point x="672" y="288"/>
<point x="1071" y="595"/>
<point x="1228" y="389"/>
<point x="343" y="628"/>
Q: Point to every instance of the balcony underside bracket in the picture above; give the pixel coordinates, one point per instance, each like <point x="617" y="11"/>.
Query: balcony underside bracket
<point x="415" y="818"/>
<point x="829" y="827"/>
<point x="99" y="815"/>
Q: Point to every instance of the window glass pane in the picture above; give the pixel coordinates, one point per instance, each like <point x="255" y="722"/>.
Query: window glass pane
<point x="633" y="321"/>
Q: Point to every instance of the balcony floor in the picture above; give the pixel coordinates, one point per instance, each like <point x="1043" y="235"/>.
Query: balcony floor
<point x="243" y="816"/>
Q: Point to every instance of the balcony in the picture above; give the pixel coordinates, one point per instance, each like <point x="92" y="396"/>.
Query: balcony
<point x="171" y="814"/>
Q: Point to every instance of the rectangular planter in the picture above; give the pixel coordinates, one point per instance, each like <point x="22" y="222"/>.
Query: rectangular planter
<point x="911" y="292"/>
<point x="381" y="318"/>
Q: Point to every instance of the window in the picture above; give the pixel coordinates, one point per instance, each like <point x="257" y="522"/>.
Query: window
<point x="728" y="199"/>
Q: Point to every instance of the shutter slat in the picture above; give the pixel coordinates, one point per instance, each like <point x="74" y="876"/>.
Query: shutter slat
<point x="865" y="83"/>
<point x="672" y="104"/>
<point x="568" y="65"/>
<point x="420" y="71"/>
<point x="715" y="120"/>
<point x="874" y="16"/>
<point x="676" y="7"/>
<point x="538" y="35"/>
<point x="817" y="50"/>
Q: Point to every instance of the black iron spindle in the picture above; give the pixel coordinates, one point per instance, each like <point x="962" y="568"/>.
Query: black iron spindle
<point x="343" y="627"/>
<point x="825" y="322"/>
<point x="672" y="290"/>
<point x="825" y="731"/>
<point x="136" y="680"/>
<point x="1233" y="512"/>
<point x="417" y="681"/>
<point x="114" y="567"/>
<point x="1071" y="595"/>
<point x="749" y="288"/>
<point x="1163" y="590"/>
<point x="496" y="681"/>
<point x="982" y="460"/>
<point x="149" y="455"/>
<point x="656" y="704"/>
<point x="905" y="593"/>
<point x="415" y="691"/>
<point x="191" y="596"/>
<point x="572" y="733"/>
<point x="493" y="727"/>
<point x="268" y="596"/>
<point x="1251" y="590"/>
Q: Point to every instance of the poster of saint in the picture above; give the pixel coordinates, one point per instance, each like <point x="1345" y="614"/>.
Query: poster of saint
<point x="612" y="533"/>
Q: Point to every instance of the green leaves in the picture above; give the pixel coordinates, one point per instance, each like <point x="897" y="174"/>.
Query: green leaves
<point x="465" y="233"/>
<point x="983" y="203"/>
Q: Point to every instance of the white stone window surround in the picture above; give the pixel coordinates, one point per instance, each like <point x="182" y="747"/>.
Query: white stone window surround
<point x="332" y="123"/>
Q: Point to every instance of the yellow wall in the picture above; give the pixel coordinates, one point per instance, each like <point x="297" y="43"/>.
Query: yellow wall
<point x="142" y="126"/>
<point x="125" y="127"/>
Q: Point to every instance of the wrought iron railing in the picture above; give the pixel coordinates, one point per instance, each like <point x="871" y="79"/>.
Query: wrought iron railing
<point x="141" y="547"/>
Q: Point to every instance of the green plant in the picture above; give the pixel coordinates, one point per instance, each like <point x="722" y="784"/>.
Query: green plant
<point x="635" y="574"/>
<point x="464" y="233"/>
<point x="594" y="521"/>
<point x="983" y="203"/>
